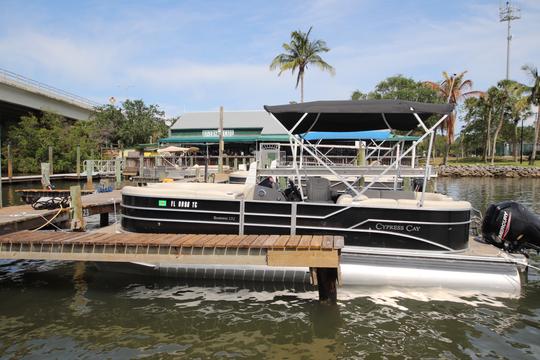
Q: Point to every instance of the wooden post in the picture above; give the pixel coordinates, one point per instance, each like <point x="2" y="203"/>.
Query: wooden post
<point x="10" y="162"/>
<point x="407" y="184"/>
<point x="221" y="143"/>
<point x="118" y="172"/>
<point x="51" y="160"/>
<point x="78" y="161"/>
<point x="361" y="156"/>
<point x="89" y="174"/>
<point x="45" y="175"/>
<point x="235" y="163"/>
<point x="76" y="213"/>
<point x="141" y="164"/>
<point x="327" y="283"/>
<point x="191" y="161"/>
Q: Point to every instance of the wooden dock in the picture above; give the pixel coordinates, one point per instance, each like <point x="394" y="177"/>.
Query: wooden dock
<point x="37" y="178"/>
<point x="24" y="217"/>
<point x="320" y="253"/>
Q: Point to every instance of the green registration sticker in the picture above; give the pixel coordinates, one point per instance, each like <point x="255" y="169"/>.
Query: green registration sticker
<point x="162" y="202"/>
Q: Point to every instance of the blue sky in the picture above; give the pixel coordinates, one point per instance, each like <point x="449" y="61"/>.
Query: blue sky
<point x="198" y="55"/>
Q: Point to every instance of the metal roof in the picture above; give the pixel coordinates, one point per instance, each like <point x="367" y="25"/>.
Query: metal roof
<point x="231" y="119"/>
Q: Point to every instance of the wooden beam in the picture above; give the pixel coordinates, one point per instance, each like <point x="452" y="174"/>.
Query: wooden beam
<point x="303" y="258"/>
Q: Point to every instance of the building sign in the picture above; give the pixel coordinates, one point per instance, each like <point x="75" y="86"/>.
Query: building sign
<point x="214" y="133"/>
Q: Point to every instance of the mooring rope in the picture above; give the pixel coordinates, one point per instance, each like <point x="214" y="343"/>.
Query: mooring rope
<point x="50" y="220"/>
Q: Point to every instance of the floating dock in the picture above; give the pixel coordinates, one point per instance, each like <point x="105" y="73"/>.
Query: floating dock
<point x="320" y="253"/>
<point x="24" y="217"/>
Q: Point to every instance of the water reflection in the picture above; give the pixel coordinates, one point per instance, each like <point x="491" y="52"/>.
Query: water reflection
<point x="483" y="191"/>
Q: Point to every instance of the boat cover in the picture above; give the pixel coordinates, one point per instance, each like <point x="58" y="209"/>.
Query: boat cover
<point x="355" y="115"/>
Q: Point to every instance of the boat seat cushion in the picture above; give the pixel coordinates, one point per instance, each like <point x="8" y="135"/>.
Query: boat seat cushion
<point x="192" y="191"/>
<point x="435" y="204"/>
<point x="391" y="194"/>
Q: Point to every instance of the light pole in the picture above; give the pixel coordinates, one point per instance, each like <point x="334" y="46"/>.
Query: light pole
<point x="521" y="144"/>
<point x="508" y="13"/>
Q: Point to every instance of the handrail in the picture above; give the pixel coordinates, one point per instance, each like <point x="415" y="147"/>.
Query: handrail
<point x="11" y="78"/>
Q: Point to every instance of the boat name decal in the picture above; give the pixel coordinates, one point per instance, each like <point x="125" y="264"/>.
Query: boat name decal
<point x="505" y="225"/>
<point x="398" y="227"/>
<point x="178" y="204"/>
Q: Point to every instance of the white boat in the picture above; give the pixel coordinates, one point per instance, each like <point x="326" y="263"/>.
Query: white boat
<point x="391" y="237"/>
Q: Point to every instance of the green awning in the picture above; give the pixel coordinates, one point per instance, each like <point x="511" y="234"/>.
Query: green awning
<point x="226" y="139"/>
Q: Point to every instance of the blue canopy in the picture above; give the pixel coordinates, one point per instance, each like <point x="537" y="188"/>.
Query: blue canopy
<point x="350" y="135"/>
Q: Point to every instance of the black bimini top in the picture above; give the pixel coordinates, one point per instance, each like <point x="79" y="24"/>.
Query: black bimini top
<point x="355" y="115"/>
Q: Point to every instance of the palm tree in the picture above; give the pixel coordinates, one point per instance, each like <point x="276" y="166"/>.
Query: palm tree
<point x="299" y="54"/>
<point x="508" y="103"/>
<point x="453" y="89"/>
<point x="534" y="99"/>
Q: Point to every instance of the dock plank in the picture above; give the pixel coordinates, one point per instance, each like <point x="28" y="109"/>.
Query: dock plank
<point x="328" y="242"/>
<point x="281" y="242"/>
<point x="246" y="241"/>
<point x="259" y="241"/>
<point x="305" y="241"/>
<point x="270" y="241"/>
<point x="316" y="242"/>
<point x="294" y="240"/>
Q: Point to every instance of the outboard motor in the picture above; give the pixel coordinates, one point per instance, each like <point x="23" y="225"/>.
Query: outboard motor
<point x="512" y="227"/>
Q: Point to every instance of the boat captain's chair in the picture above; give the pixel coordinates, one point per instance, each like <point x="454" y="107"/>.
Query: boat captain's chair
<point x="318" y="190"/>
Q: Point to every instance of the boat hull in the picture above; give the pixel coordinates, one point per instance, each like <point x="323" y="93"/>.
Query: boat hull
<point x="411" y="228"/>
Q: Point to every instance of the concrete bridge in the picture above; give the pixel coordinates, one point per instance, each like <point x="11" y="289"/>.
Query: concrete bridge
<point x="20" y="95"/>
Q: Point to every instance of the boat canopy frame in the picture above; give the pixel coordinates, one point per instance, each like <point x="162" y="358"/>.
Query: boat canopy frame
<point x="354" y="115"/>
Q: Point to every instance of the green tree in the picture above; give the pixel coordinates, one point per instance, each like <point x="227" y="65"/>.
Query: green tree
<point x="452" y="88"/>
<point x="508" y="104"/>
<point x="299" y="54"/>
<point x="403" y="88"/>
<point x="131" y="124"/>
<point x="534" y="99"/>
<point x="33" y="135"/>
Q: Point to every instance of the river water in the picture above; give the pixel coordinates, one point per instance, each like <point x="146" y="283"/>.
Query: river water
<point x="73" y="310"/>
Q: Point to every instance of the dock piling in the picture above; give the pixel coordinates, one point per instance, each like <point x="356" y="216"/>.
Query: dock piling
<point x="103" y="219"/>
<point x="45" y="175"/>
<point x="77" y="219"/>
<point x="327" y="284"/>
<point x="78" y="161"/>
<point x="89" y="174"/>
<point x="118" y="172"/>
<point x="10" y="162"/>
<point x="51" y="171"/>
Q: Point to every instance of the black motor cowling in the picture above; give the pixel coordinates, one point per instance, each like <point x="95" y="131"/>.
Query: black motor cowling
<point x="511" y="226"/>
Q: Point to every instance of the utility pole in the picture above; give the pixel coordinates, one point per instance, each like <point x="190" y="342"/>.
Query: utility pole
<point x="221" y="145"/>
<point x="508" y="13"/>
